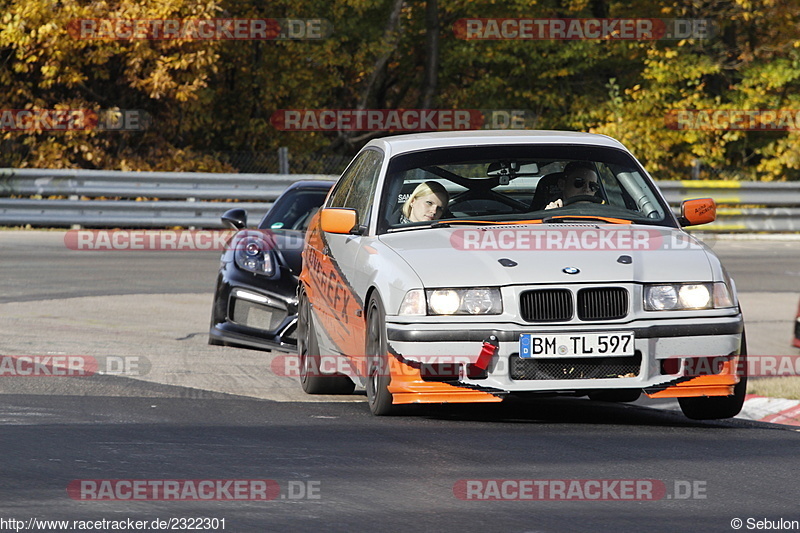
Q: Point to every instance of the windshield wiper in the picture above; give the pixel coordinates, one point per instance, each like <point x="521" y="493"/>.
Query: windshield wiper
<point x="547" y="220"/>
<point x="448" y="223"/>
<point x="581" y="218"/>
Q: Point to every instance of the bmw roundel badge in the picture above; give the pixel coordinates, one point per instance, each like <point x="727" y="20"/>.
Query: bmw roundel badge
<point x="570" y="270"/>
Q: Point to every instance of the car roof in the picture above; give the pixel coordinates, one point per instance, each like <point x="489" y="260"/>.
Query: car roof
<point x="312" y="184"/>
<point x="398" y="144"/>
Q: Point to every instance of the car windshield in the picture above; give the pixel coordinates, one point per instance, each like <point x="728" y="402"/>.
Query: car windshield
<point x="506" y="184"/>
<point x="294" y="209"/>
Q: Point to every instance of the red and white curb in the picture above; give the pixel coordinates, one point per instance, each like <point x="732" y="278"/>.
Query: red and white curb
<point x="756" y="408"/>
<point x="773" y="410"/>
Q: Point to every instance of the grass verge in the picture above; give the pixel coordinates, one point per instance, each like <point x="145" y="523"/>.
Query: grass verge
<point x="782" y="387"/>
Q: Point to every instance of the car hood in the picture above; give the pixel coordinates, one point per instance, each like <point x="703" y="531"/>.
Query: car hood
<point x="464" y="256"/>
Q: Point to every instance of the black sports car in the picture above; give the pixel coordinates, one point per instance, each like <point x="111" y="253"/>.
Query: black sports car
<point x="796" y="340"/>
<point x="255" y="302"/>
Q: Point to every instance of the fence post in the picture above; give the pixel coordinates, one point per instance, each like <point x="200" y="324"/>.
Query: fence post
<point x="696" y="166"/>
<point x="283" y="160"/>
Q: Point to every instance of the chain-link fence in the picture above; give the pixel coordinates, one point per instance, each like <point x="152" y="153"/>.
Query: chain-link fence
<point x="270" y="162"/>
<point x="15" y="153"/>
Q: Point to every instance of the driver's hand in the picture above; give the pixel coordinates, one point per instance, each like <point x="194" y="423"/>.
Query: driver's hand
<point x="555" y="204"/>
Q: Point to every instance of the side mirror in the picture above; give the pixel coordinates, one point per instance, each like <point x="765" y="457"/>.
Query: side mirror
<point x="235" y="219"/>
<point x="698" y="211"/>
<point x="339" y="220"/>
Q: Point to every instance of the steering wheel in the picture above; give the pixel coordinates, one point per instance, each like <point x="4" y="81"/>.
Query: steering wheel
<point x="583" y="198"/>
<point x="486" y="204"/>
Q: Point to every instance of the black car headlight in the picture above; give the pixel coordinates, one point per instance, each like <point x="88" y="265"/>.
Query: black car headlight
<point x="253" y="255"/>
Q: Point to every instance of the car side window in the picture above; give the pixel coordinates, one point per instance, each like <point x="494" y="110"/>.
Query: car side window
<point x="356" y="188"/>
<point x="342" y="187"/>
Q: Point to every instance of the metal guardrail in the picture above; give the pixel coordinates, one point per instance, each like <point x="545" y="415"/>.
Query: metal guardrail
<point x="745" y="206"/>
<point x="121" y="213"/>
<point x="166" y="185"/>
<point x="734" y="193"/>
<point x="754" y="220"/>
<point x="116" y="194"/>
<point x="755" y="206"/>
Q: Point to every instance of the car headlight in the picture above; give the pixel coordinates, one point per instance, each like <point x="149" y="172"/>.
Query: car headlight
<point x="685" y="296"/>
<point x="413" y="303"/>
<point x="253" y="255"/>
<point x="476" y="301"/>
<point x="723" y="296"/>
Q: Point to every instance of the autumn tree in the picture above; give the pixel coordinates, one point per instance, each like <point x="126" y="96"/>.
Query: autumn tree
<point x="752" y="63"/>
<point x="209" y="99"/>
<point x="46" y="65"/>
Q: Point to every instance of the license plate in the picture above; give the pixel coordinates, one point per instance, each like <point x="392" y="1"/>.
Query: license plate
<point x="575" y="344"/>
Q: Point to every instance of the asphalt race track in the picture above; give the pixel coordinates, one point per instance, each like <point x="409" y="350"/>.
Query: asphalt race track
<point x="183" y="410"/>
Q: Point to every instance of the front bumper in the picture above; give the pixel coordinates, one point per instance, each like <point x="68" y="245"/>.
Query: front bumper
<point x="796" y="340"/>
<point x="253" y="312"/>
<point x="664" y="363"/>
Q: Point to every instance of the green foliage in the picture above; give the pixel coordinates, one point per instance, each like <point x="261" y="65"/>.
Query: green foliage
<point x="210" y="98"/>
<point x="751" y="65"/>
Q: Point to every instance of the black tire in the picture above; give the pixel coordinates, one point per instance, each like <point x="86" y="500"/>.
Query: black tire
<point x="617" y="396"/>
<point x="311" y="379"/>
<point x="715" y="407"/>
<point x="378" y="396"/>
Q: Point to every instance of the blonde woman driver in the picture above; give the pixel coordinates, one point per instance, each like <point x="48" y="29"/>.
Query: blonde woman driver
<point x="426" y="203"/>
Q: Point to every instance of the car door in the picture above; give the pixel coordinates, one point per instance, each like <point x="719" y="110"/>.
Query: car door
<point x="341" y="310"/>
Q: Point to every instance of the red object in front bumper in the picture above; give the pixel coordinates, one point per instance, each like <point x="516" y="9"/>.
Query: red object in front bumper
<point x="490" y="347"/>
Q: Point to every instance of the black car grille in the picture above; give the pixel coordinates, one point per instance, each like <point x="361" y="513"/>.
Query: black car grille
<point x="546" y="305"/>
<point x="556" y="305"/>
<point x="575" y="367"/>
<point x="605" y="303"/>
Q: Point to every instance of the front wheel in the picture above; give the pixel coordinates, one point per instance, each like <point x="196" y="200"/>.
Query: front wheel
<point x="311" y="378"/>
<point x="714" y="407"/>
<point x="378" y="375"/>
